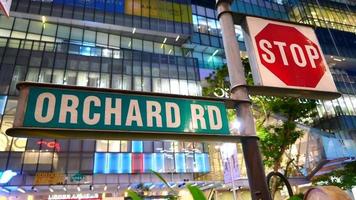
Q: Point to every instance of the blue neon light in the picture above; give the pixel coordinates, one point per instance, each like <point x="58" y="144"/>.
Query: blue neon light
<point x="107" y="163"/>
<point x="201" y="163"/>
<point x="6" y="176"/>
<point x="180" y="162"/>
<point x="137" y="146"/>
<point x="158" y="162"/>
<point x="114" y="163"/>
<point x="99" y="163"/>
<point x="206" y="161"/>
<point x="2" y="104"/>
<point x="84" y="50"/>
<point x="197" y="162"/>
<point x="127" y="162"/>
<point x="120" y="163"/>
<point x="147" y="162"/>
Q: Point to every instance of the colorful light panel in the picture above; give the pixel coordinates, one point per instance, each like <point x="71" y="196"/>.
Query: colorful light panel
<point x="121" y="163"/>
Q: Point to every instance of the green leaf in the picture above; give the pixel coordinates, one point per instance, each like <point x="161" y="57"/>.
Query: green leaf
<point x="161" y="178"/>
<point x="164" y="181"/>
<point x="297" y="197"/>
<point x="133" y="195"/>
<point x="196" y="193"/>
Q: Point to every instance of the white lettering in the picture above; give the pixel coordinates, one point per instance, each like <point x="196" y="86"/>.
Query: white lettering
<point x="265" y="46"/>
<point x="312" y="54"/>
<point x="214" y="125"/>
<point x="294" y="48"/>
<point x="134" y="113"/>
<point x="169" y="107"/>
<point x="50" y="108"/>
<point x="66" y="108"/>
<point x="153" y="109"/>
<point x="86" y="110"/>
<point x="281" y="46"/>
<point x="197" y="115"/>
<point x="109" y="111"/>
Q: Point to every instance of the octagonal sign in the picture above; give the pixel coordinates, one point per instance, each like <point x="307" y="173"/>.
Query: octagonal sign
<point x="286" y="55"/>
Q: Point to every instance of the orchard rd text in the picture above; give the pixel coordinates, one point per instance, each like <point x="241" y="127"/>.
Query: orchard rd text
<point x="65" y="108"/>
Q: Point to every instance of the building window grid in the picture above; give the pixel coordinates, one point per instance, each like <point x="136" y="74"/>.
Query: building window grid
<point x="339" y="109"/>
<point x="40" y="66"/>
<point x="324" y="15"/>
<point x="56" y="51"/>
<point x="60" y="37"/>
<point x="178" y="24"/>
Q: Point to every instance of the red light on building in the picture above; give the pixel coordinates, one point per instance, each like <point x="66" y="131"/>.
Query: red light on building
<point x="52" y="145"/>
<point x="137" y="163"/>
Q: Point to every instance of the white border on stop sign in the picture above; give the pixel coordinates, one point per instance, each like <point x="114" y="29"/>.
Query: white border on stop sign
<point x="5" y="6"/>
<point x="261" y="75"/>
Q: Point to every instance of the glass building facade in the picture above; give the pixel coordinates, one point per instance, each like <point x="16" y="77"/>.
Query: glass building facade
<point x="129" y="45"/>
<point x="165" y="46"/>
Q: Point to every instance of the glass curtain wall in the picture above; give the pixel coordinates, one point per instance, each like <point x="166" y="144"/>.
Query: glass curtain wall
<point x="52" y="53"/>
<point x="168" y="16"/>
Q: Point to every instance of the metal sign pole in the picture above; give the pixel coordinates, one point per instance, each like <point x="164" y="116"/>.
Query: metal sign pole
<point x="255" y="170"/>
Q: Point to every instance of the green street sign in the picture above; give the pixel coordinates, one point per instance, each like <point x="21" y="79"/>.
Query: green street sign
<point x="77" y="177"/>
<point x="70" y="108"/>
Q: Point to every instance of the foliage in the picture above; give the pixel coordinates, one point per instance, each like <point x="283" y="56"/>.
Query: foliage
<point x="343" y="178"/>
<point x="133" y="195"/>
<point x="220" y="79"/>
<point x="273" y="138"/>
<point x="196" y="193"/>
<point x="173" y="192"/>
<point x="297" y="197"/>
<point x="217" y="79"/>
<point x="276" y="137"/>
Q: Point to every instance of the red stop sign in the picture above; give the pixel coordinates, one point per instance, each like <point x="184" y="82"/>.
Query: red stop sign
<point x="290" y="55"/>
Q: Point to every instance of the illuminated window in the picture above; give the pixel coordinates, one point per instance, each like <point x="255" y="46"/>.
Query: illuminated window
<point x="137" y="146"/>
<point x="58" y="76"/>
<point x="116" y="81"/>
<point x="165" y="85"/>
<point x="35" y="27"/>
<point x="105" y="80"/>
<point x="183" y="86"/>
<point x="192" y="88"/>
<point x="18" y="144"/>
<point x="126" y="42"/>
<point x="31" y="157"/>
<point x="114" y="41"/>
<point x="126" y="82"/>
<point x="32" y="74"/>
<point x="114" y="145"/>
<point x="45" y="75"/>
<point x="6" y="22"/>
<point x="124" y="146"/>
<point x="5" y="142"/>
<point x="70" y="77"/>
<point x="89" y="36"/>
<point x="93" y="80"/>
<point x="102" y="145"/>
<point x="137" y="83"/>
<point x="146" y="84"/>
